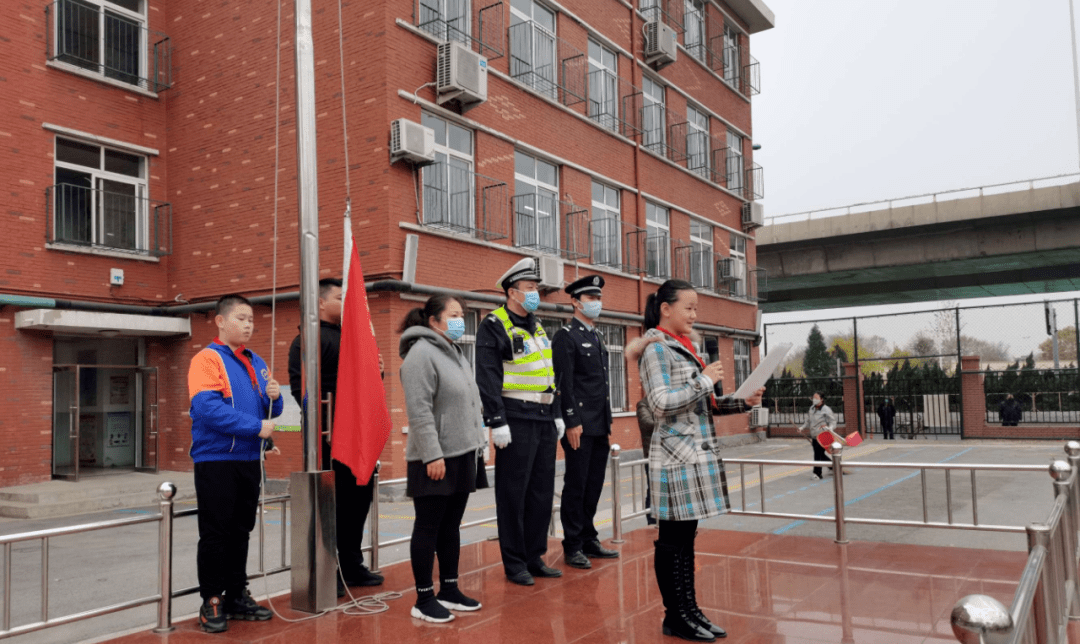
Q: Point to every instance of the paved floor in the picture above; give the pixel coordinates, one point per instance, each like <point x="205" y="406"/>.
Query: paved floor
<point x="99" y="568"/>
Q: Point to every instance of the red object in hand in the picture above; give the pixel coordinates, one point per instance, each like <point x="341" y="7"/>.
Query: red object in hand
<point x="827" y="438"/>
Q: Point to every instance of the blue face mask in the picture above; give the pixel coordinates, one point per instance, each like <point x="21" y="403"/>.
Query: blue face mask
<point x="532" y="301"/>
<point x="592" y="309"/>
<point x="455" y="328"/>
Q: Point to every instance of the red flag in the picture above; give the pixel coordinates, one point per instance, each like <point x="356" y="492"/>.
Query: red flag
<point x="361" y="419"/>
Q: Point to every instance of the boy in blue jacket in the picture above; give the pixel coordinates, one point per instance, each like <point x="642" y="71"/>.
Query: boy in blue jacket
<point x="233" y="395"/>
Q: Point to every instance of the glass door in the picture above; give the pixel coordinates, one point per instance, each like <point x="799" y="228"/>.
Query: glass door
<point x="65" y="457"/>
<point x="147" y="446"/>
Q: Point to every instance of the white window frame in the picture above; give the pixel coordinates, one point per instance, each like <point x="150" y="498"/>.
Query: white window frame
<point x="653" y="109"/>
<point x="142" y="75"/>
<point x="455" y="169"/>
<point x="539" y="35"/>
<point x="737" y="249"/>
<point x="443" y="26"/>
<point x="732" y="64"/>
<point x="97" y="177"/>
<point x="614" y="336"/>
<point x="735" y="169"/>
<point x="697" y="141"/>
<point x="701" y="254"/>
<point x="740" y="350"/>
<point x="541" y="192"/>
<point x="606" y="223"/>
<point x="467" y="341"/>
<point x="658" y="236"/>
<point x="694" y="28"/>
<point x="603" y="85"/>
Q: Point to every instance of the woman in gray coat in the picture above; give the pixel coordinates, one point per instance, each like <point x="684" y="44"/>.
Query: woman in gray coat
<point x="685" y="469"/>
<point x="446" y="436"/>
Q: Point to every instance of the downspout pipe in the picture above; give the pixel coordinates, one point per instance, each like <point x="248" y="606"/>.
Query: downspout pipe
<point x="381" y="286"/>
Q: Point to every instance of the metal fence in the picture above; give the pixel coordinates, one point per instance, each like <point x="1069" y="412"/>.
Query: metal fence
<point x="108" y="219"/>
<point x="913" y="359"/>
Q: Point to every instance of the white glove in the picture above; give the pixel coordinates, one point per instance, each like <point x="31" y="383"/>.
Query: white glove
<point x="501" y="436"/>
<point x="560" y="428"/>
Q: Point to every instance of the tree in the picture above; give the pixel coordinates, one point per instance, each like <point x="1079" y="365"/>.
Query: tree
<point x="922" y="345"/>
<point x="1066" y="345"/>
<point x="1029" y="362"/>
<point x="986" y="350"/>
<point x="816" y="362"/>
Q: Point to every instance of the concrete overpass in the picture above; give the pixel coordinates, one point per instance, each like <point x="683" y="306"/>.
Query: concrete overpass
<point x="1007" y="243"/>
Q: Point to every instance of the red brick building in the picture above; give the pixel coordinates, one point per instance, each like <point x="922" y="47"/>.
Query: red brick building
<point x="137" y="156"/>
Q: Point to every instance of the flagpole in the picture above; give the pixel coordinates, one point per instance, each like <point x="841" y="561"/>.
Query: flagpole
<point x="313" y="527"/>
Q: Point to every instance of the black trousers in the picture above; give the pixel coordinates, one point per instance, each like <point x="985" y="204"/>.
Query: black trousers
<point x="679" y="534"/>
<point x="819" y="455"/>
<point x="351" y="511"/>
<point x="437" y="530"/>
<point x="886" y="429"/>
<point x="583" y="483"/>
<point x="227" y="493"/>
<point x="524" y="491"/>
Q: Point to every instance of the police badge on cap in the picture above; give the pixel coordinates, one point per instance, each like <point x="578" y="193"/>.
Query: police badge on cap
<point x="524" y="270"/>
<point x="588" y="285"/>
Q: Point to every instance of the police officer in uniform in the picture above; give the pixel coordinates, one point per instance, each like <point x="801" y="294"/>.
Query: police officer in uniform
<point x="581" y="377"/>
<point x="517" y="387"/>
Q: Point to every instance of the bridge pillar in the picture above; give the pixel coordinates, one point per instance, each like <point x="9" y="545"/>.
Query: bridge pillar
<point x="853" y="399"/>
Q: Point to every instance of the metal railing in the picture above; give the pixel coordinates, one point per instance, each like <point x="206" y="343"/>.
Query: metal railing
<point x="460" y="200"/>
<point x="451" y="20"/>
<point x="1048" y="594"/>
<point x="552" y="226"/>
<point x="104" y="41"/>
<point x="548" y="64"/>
<point x="107" y="220"/>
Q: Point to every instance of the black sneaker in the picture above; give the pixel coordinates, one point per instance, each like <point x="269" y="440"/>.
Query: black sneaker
<point x="243" y="607"/>
<point x="361" y="576"/>
<point x="453" y="599"/>
<point x="212" y="617"/>
<point x="430" y="609"/>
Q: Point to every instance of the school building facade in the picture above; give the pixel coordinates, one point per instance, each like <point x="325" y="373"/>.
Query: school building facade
<point x="140" y="163"/>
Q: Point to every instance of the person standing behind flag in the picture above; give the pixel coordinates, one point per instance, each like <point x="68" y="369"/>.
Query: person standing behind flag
<point x="233" y="397"/>
<point x="517" y="386"/>
<point x="352" y="499"/>
<point x="446" y="436"/>
<point x="581" y="377"/>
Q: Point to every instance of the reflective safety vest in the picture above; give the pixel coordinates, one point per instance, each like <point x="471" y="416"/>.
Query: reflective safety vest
<point x="532" y="370"/>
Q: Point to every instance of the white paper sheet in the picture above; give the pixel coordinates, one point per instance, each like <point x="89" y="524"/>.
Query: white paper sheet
<point x="765" y="369"/>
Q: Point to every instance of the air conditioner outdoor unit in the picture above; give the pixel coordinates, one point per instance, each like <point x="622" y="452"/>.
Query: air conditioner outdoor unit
<point x="551" y="271"/>
<point x="725" y="268"/>
<point x="753" y="215"/>
<point x="411" y="142"/>
<point x="660" y="44"/>
<point x="461" y="76"/>
<point x="759" y="417"/>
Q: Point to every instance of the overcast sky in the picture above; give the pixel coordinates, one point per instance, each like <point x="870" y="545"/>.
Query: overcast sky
<point x="863" y="100"/>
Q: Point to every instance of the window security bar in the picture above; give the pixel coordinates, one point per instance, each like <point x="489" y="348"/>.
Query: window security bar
<point x="463" y="201"/>
<point x="548" y="64"/>
<point x="106" y="220"/>
<point x="450" y="20"/>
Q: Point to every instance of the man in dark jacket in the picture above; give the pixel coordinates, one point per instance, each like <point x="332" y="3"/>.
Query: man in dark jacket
<point x="1010" y="412"/>
<point x="353" y="501"/>
<point x="887" y="412"/>
<point x="581" y="378"/>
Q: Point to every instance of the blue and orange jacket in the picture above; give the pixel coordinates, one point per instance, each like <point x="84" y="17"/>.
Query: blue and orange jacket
<point x="228" y="404"/>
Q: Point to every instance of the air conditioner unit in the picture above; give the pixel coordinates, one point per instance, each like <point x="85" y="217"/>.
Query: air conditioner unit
<point x="753" y="215"/>
<point x="660" y="44"/>
<point x="411" y="142"/>
<point x="461" y="76"/>
<point x="759" y="417"/>
<point x="724" y="268"/>
<point x="551" y="271"/>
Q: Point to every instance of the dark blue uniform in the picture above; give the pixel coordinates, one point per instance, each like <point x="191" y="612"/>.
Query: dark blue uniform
<point x="581" y="377"/>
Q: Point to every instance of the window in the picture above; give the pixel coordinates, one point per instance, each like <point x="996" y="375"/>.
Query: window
<point x="603" y="85"/>
<point x="732" y="65"/>
<point x="536" y="203"/>
<point x="697" y="141"/>
<point x="615" y="339"/>
<point x="694" y="26"/>
<point x="737" y="277"/>
<point x="701" y="254"/>
<point x="100" y="197"/>
<point x="606" y="226"/>
<point x="551" y="325"/>
<point x="446" y="19"/>
<point x="467" y="342"/>
<point x="734" y="161"/>
<point x="448" y="184"/>
<point x="532" y="45"/>
<point x="742" y="361"/>
<point x="658" y="221"/>
<point x="650" y="9"/>
<point x="652" y="115"/>
<point x="103" y="37"/>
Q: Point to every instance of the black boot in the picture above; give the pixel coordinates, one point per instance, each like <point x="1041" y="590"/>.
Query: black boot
<point x="670" y="578"/>
<point x="690" y="589"/>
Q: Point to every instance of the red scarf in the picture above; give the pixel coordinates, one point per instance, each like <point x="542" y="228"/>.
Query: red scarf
<point x="239" y="353"/>
<point x="685" y="341"/>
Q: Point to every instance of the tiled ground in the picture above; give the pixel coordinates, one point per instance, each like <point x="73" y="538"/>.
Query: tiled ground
<point x="763" y="588"/>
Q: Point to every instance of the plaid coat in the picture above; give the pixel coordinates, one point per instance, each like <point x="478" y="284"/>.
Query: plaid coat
<point x="685" y="468"/>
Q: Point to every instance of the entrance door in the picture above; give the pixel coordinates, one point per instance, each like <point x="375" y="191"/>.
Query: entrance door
<point x="66" y="423"/>
<point x="148" y="447"/>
